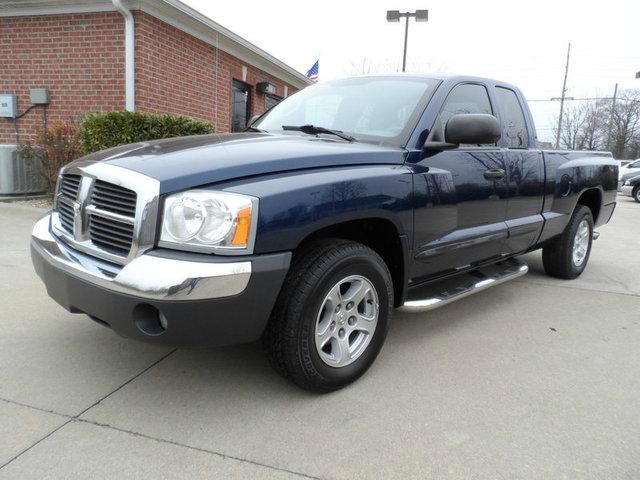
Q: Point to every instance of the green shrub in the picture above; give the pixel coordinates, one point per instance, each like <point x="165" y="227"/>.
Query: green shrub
<point x="110" y="129"/>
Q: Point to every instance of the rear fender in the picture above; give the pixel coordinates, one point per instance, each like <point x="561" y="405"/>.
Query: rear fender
<point x="568" y="176"/>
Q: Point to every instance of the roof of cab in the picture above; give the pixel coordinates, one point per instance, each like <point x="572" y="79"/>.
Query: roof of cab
<point x="452" y="78"/>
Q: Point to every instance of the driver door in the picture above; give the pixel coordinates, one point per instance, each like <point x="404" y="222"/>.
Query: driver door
<point x="460" y="218"/>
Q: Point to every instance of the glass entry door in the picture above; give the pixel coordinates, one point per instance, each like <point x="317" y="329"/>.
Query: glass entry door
<point x="240" y="105"/>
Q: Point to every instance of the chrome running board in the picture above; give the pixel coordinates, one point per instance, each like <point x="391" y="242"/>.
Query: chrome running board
<point x="442" y="293"/>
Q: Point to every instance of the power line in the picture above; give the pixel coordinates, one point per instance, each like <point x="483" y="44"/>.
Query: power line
<point x="569" y="99"/>
<point x="574" y="99"/>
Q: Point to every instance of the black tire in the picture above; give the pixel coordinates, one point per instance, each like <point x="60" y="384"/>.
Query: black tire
<point x="636" y="194"/>
<point x="289" y="339"/>
<point x="557" y="256"/>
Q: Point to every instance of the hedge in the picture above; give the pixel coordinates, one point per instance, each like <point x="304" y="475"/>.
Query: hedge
<point x="110" y="129"/>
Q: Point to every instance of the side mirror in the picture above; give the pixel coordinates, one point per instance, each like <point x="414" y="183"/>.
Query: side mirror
<point x="467" y="128"/>
<point x="472" y="128"/>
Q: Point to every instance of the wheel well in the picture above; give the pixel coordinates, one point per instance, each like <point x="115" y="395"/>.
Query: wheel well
<point x="592" y="199"/>
<point x="378" y="234"/>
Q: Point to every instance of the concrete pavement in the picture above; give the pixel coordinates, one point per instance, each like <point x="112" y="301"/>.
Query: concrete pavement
<point x="537" y="378"/>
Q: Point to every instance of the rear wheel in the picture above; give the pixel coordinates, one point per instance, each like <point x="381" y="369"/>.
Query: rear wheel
<point x="567" y="256"/>
<point x="332" y="315"/>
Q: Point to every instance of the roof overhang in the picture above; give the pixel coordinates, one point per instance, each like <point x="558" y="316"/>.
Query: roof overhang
<point x="177" y="14"/>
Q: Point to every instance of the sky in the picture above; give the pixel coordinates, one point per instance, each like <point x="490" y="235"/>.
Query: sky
<point x="521" y="42"/>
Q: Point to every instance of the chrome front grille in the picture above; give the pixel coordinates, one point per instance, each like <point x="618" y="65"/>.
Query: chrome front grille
<point x="67" y="194"/>
<point x="69" y="185"/>
<point x="66" y="215"/>
<point x="114" y="198"/>
<point x="106" y="211"/>
<point x="111" y="235"/>
<point x="109" y="232"/>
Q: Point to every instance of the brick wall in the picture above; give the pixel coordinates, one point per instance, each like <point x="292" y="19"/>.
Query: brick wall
<point x="80" y="59"/>
<point x="177" y="73"/>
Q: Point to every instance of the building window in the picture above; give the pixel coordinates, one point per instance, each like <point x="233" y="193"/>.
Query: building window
<point x="271" y="101"/>
<point x="240" y="105"/>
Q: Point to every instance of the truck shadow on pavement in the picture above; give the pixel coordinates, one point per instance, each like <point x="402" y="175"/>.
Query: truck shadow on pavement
<point x="236" y="371"/>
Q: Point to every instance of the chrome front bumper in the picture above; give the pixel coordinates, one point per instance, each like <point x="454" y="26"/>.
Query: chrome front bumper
<point x="147" y="276"/>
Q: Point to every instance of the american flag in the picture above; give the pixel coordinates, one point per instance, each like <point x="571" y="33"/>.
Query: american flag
<point x="314" y="71"/>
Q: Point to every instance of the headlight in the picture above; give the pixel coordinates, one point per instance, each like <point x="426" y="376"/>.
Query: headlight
<point x="208" y="221"/>
<point x="627" y="182"/>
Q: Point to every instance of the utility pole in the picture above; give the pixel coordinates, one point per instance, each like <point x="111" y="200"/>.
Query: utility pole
<point x="613" y="109"/>
<point x="564" y="90"/>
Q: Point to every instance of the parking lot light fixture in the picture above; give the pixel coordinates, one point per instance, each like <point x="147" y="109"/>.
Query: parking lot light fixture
<point x="395" y="16"/>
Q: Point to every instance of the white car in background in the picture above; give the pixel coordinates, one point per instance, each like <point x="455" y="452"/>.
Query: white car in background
<point x="632" y="167"/>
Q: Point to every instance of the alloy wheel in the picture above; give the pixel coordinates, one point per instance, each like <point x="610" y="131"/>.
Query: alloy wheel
<point x="581" y="243"/>
<point x="346" y="321"/>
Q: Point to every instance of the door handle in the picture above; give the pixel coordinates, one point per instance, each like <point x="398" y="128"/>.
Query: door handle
<point x="494" y="174"/>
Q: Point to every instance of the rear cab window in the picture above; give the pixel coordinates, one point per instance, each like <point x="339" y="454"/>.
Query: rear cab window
<point x="514" y="124"/>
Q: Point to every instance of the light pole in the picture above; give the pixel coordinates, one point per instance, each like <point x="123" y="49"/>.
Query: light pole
<point x="395" y="15"/>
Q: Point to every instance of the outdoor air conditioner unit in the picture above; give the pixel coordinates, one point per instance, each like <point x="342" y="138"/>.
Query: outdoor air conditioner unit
<point x="17" y="177"/>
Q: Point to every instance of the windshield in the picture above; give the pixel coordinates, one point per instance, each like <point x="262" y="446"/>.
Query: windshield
<point x="381" y="109"/>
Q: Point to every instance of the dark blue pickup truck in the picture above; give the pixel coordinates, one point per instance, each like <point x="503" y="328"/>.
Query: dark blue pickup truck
<point x="343" y="202"/>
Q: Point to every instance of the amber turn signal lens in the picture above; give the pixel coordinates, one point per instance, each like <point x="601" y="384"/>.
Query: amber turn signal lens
<point x="241" y="236"/>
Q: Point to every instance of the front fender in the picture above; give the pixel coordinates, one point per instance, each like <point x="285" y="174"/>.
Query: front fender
<point x="293" y="205"/>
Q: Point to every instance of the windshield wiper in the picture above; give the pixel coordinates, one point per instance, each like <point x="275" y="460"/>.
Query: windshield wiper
<point x="314" y="130"/>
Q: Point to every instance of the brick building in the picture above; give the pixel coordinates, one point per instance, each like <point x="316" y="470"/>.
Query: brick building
<point x="157" y="56"/>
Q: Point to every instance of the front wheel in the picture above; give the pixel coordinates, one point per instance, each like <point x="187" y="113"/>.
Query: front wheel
<point x="636" y="194"/>
<point x="567" y="256"/>
<point x="331" y="317"/>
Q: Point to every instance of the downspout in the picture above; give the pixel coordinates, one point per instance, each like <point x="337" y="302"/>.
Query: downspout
<point x="129" y="56"/>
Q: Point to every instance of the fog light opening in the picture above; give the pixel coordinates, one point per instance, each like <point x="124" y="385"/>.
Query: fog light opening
<point x="149" y="320"/>
<point x="164" y="323"/>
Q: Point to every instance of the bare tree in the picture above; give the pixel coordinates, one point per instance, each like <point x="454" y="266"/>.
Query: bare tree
<point x="625" y="138"/>
<point x="573" y="120"/>
<point x="594" y="127"/>
<point x="585" y="126"/>
<point x="359" y="67"/>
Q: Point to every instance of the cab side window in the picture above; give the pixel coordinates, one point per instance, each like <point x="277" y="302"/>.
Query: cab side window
<point x="465" y="98"/>
<point x="514" y="130"/>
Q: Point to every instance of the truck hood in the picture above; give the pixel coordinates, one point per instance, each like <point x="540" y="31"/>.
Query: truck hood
<point x="185" y="162"/>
